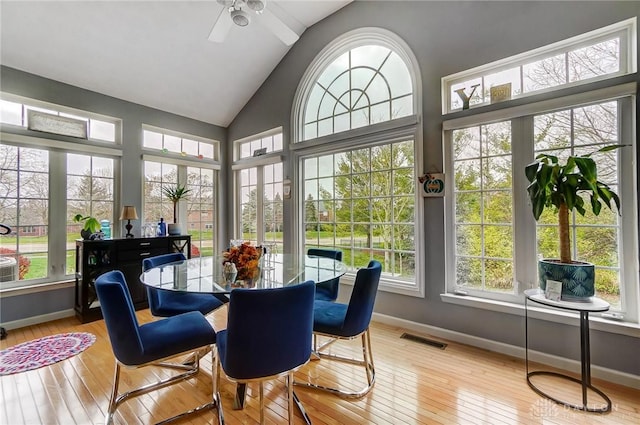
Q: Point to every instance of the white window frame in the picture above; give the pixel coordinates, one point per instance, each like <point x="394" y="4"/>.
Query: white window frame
<point x="182" y="163"/>
<point x="191" y="200"/>
<point x="626" y="30"/>
<point x="177" y="155"/>
<point x="238" y="144"/>
<point x="258" y="162"/>
<point x="524" y="223"/>
<point x="58" y="147"/>
<point x="379" y="133"/>
<point x="60" y="109"/>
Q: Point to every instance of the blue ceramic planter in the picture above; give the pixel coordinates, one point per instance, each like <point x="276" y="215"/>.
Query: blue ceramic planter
<point x="578" y="278"/>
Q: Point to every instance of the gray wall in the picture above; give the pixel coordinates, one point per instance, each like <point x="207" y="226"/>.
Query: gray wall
<point x="449" y="37"/>
<point x="133" y="116"/>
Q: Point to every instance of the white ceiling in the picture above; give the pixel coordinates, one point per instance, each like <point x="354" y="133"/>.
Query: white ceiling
<point x="154" y="53"/>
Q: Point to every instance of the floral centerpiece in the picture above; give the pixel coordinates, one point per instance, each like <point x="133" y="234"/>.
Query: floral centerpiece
<point x="246" y="257"/>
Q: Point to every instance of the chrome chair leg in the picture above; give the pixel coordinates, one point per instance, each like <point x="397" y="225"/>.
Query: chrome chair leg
<point x="289" y="383"/>
<point x="366" y="362"/>
<point x="370" y="370"/>
<point x="114" y="395"/>
<point x="116" y="399"/>
<point x="261" y="403"/>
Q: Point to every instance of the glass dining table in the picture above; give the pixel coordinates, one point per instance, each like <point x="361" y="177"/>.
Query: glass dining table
<point x="205" y="275"/>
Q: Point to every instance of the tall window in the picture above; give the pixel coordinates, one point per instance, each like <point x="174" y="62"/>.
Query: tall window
<point x="26" y="203"/>
<point x="90" y="191"/>
<point x="24" y="206"/>
<point x="358" y="141"/>
<point x="184" y="160"/>
<point x="595" y="239"/>
<point x="493" y="242"/>
<point x="44" y="183"/>
<point x="248" y="204"/>
<point x="201" y="214"/>
<point x="483" y="205"/>
<point x="260" y="184"/>
<point x="362" y="201"/>
<point x="157" y="177"/>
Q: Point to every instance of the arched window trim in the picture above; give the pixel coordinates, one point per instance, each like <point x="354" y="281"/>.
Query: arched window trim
<point x="365" y="136"/>
<point x="342" y="44"/>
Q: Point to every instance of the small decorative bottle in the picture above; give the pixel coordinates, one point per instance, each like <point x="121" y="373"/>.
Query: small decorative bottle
<point x="162" y="227"/>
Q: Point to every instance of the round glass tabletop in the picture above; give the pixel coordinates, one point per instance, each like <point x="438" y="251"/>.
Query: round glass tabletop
<point x="205" y="274"/>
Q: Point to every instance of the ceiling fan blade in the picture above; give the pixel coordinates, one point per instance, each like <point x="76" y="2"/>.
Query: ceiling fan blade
<point x="221" y="27"/>
<point x="276" y="26"/>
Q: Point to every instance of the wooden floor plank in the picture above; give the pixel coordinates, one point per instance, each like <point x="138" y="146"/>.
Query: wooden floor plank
<point x="415" y="384"/>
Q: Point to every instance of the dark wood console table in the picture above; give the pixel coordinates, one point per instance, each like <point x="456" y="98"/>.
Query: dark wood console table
<point x="94" y="258"/>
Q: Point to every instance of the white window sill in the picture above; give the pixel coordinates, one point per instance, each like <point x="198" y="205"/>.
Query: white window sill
<point x="32" y="289"/>
<point x="545" y="313"/>
<point x="387" y="285"/>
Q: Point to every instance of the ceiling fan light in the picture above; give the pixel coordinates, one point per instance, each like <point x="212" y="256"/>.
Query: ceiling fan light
<point x="257" y="5"/>
<point x="240" y="17"/>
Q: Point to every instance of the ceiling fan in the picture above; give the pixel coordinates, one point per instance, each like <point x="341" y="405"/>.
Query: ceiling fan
<point x="240" y="12"/>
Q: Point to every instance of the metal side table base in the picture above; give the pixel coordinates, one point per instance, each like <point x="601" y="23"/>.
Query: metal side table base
<point x="595" y="305"/>
<point x="585" y="386"/>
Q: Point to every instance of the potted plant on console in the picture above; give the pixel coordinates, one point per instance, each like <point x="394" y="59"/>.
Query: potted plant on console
<point x="91" y="225"/>
<point x="562" y="186"/>
<point x="175" y="194"/>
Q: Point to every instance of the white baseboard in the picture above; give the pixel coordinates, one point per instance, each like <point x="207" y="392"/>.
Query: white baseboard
<point x="35" y="320"/>
<point x="610" y="375"/>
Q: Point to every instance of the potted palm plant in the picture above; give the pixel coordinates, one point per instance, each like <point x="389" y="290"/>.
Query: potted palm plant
<point x="175" y="194"/>
<point x="562" y="186"/>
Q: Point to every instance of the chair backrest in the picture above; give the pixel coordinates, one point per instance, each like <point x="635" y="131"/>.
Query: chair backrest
<point x="327" y="253"/>
<point x="363" y="297"/>
<point x="153" y="295"/>
<point x="119" y="317"/>
<point x="269" y="330"/>
<point x="158" y="260"/>
<point x="327" y="290"/>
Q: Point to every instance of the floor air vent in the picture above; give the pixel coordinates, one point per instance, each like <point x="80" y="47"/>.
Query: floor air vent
<point x="425" y="341"/>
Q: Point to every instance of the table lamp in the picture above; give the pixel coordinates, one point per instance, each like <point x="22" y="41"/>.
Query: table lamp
<point x="129" y="213"/>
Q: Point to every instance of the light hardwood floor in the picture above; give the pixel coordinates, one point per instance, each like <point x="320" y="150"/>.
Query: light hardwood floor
<point x="416" y="384"/>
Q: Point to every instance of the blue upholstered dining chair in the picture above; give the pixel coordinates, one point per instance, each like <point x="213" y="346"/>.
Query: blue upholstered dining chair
<point x="327" y="291"/>
<point x="168" y="303"/>
<point x="339" y="321"/>
<point x="268" y="335"/>
<point x="150" y="344"/>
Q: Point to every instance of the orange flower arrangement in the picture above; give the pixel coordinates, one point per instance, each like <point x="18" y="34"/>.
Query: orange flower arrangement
<point x="246" y="257"/>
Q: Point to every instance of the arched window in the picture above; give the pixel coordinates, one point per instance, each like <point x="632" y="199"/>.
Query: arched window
<point x="365" y="85"/>
<point x="363" y="78"/>
<point x="357" y="149"/>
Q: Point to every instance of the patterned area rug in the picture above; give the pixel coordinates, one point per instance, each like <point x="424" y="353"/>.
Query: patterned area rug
<point x="43" y="351"/>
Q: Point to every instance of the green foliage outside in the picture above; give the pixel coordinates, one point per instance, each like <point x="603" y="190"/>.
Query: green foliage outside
<point x="483" y="203"/>
<point x="363" y="203"/>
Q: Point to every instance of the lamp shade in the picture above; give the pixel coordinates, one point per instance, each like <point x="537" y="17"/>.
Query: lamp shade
<point x="129" y="213"/>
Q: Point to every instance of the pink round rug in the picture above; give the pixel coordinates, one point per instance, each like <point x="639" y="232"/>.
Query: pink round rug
<point x="43" y="351"/>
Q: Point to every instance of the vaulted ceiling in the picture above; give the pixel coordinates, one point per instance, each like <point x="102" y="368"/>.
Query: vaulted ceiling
<point x="154" y="53"/>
